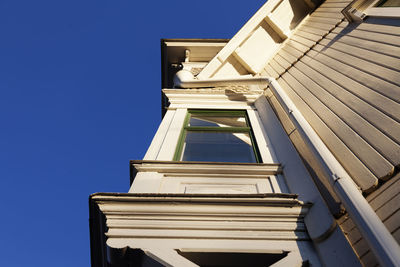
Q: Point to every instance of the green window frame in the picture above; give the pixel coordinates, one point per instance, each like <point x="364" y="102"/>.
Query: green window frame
<point x="388" y="3"/>
<point x="187" y="128"/>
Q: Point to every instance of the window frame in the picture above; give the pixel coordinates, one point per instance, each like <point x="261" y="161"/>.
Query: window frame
<point x="213" y="112"/>
<point x="358" y="10"/>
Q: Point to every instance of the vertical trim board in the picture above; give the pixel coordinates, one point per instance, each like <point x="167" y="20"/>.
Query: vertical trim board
<point x="158" y="139"/>
<point x="171" y="139"/>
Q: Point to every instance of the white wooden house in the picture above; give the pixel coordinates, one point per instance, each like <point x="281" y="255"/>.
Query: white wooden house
<point x="279" y="147"/>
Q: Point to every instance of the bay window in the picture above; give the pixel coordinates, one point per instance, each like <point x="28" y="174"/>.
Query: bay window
<point x="217" y="136"/>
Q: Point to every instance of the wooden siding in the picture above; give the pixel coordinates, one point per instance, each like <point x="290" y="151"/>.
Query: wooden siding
<point x="315" y="170"/>
<point x="385" y="201"/>
<point x="345" y="80"/>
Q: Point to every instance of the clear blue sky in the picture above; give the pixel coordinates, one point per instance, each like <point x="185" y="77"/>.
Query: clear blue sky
<point x="80" y="97"/>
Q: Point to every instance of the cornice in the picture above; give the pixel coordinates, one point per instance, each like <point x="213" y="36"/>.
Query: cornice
<point x="224" y="96"/>
<point x="134" y="216"/>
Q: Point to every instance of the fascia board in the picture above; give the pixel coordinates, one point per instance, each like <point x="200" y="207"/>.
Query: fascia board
<point x="239" y="37"/>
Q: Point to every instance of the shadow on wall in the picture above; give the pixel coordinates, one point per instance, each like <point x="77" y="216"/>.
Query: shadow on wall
<point x="235" y="96"/>
<point x="300" y="10"/>
<point x="354" y="25"/>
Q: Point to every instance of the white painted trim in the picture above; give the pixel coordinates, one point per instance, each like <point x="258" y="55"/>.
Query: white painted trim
<point x="358" y="10"/>
<point x="274" y="25"/>
<point x="213" y="105"/>
<point x="263" y="14"/>
<point x="281" y="234"/>
<point x="168" y="257"/>
<point x="237" y="55"/>
<point x="161" y="224"/>
<point x="217" y="245"/>
<point x="220" y="98"/>
<point x="266" y="150"/>
<point x="382" y="243"/>
<point x="214" y="218"/>
<point x="158" y="139"/>
<point x="297" y="178"/>
<point x="392" y="12"/>
<point x="223" y="178"/>
<point x="262" y="140"/>
<point x="175" y="43"/>
<point x="168" y="147"/>
<point x="239" y="38"/>
<point x="166" y="139"/>
<point x="205" y="168"/>
<point x="146" y="182"/>
<point x="205" y="225"/>
<point x="186" y="79"/>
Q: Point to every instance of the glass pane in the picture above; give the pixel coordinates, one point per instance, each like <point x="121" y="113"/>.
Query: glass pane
<point x="217" y="121"/>
<point x="218" y="146"/>
<point x="389" y="3"/>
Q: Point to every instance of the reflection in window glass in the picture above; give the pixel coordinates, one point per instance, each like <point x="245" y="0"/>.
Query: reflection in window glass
<point x="389" y="3"/>
<point x="217" y="136"/>
<point x="218" y="146"/>
<point x="217" y="121"/>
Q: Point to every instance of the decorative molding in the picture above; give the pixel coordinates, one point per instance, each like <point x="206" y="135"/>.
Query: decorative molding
<point x="131" y="216"/>
<point x="206" y="177"/>
<point x="223" y="97"/>
<point x="204" y="168"/>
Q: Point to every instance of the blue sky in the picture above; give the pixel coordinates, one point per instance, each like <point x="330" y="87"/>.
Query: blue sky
<point x="80" y="97"/>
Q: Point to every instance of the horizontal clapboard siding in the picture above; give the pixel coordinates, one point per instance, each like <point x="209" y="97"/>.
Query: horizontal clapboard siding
<point x="345" y="80"/>
<point x="326" y="124"/>
<point x="385" y="201"/>
<point x="316" y="171"/>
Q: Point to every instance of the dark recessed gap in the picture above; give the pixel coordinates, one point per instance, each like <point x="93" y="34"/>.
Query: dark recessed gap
<point x="225" y="259"/>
